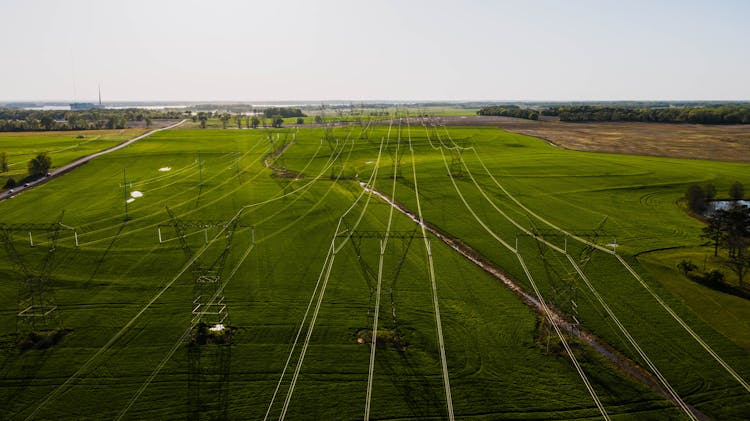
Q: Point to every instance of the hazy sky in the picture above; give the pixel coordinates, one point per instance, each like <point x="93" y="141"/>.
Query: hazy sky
<point x="431" y="50"/>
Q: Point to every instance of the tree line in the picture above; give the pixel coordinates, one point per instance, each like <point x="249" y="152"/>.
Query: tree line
<point x="17" y="120"/>
<point x="283" y="112"/>
<point x="510" y="111"/>
<point x="725" y="114"/>
<point x="699" y="198"/>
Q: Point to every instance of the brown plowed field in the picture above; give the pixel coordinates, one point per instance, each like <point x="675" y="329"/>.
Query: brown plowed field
<point x="724" y="143"/>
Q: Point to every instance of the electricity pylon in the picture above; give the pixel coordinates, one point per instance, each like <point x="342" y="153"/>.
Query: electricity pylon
<point x="209" y="346"/>
<point x="36" y="305"/>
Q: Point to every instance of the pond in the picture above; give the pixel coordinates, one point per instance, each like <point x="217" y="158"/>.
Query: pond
<point x="715" y="205"/>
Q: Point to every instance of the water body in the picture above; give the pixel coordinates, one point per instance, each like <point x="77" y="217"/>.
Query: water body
<point x="715" y="205"/>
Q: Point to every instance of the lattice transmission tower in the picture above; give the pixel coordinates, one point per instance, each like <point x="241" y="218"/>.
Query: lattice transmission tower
<point x="37" y="309"/>
<point x="210" y="341"/>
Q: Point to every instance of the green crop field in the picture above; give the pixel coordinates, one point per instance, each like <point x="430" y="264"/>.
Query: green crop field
<point x="318" y="264"/>
<point x="63" y="147"/>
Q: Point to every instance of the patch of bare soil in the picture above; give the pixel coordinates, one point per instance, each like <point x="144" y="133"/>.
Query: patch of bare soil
<point x="385" y="337"/>
<point x="715" y="142"/>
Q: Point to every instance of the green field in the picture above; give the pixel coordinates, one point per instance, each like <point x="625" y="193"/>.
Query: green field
<point x="303" y="294"/>
<point x="358" y="116"/>
<point x="63" y="147"/>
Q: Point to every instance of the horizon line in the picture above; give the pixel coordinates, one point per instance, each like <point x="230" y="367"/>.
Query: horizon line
<point x="379" y="101"/>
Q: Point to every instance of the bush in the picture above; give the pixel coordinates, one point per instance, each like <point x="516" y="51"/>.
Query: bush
<point x="714" y="277"/>
<point x="10" y="183"/>
<point x="686" y="266"/>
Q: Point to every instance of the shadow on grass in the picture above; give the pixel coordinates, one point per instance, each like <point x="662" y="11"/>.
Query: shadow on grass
<point x="101" y="259"/>
<point x="411" y="384"/>
<point x="717" y="285"/>
<point x="19" y="370"/>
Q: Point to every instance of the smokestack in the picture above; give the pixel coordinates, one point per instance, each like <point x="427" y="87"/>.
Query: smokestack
<point x="100" y="95"/>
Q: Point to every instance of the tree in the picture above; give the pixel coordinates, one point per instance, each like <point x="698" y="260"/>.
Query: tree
<point x="737" y="191"/>
<point x="730" y="229"/>
<point x="116" y="122"/>
<point x="277" y="121"/>
<point x="300" y="120"/>
<point x="47" y="122"/>
<point x="254" y="122"/>
<point x="40" y="164"/>
<point x="3" y="162"/>
<point x="696" y="199"/>
<point x="740" y="265"/>
<point x="238" y="119"/>
<point x="318" y="119"/>
<point x="225" y="120"/>
<point x="203" y="118"/>
<point x="710" y="190"/>
<point x="737" y="240"/>
<point x="147" y="119"/>
<point x="10" y="183"/>
<point x="715" y="229"/>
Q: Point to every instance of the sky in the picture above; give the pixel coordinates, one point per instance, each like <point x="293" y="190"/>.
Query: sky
<point x="374" y="50"/>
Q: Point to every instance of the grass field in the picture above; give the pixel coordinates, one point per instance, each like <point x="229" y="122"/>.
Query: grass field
<point x="302" y="295"/>
<point x="63" y="147"/>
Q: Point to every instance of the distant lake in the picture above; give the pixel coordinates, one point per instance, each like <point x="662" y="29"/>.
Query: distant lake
<point x="66" y="107"/>
<point x="55" y="107"/>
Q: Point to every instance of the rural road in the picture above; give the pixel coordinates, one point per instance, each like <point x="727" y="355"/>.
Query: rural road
<point x="78" y="162"/>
